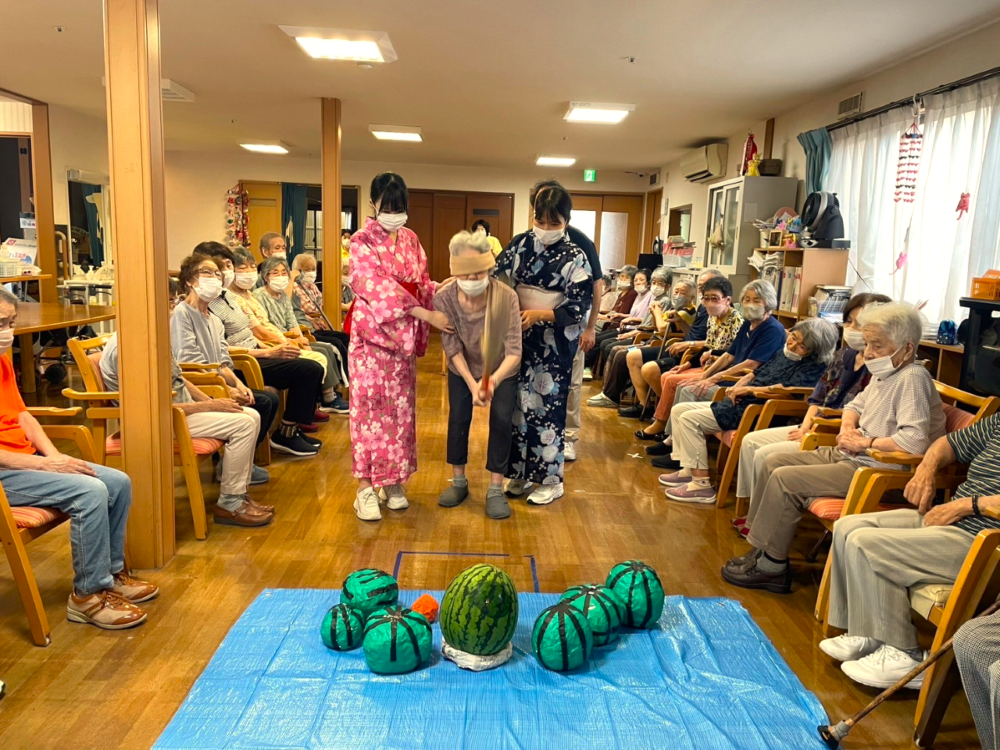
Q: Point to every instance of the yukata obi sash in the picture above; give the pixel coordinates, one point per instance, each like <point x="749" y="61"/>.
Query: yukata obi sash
<point x="409" y="286"/>
<point x="536" y="298"/>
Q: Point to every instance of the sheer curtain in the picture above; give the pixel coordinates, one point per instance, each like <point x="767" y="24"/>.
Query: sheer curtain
<point x="961" y="154"/>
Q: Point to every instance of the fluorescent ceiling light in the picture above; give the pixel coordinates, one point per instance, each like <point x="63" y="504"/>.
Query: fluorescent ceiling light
<point x="267" y="147"/>
<point x="343" y="44"/>
<point x="555" y="161"/>
<point x="593" y="112"/>
<point x="396" y="133"/>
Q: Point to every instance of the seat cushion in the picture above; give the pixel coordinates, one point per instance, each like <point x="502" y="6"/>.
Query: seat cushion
<point x="830" y="508"/>
<point x="202" y="446"/>
<point x="27" y="517"/>
<point x="925" y="598"/>
<point x="956" y="419"/>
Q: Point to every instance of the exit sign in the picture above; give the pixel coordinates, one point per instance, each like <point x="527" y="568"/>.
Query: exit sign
<point x="590" y="175"/>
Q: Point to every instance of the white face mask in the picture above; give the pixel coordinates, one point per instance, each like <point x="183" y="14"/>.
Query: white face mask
<point x="473" y="287"/>
<point x="641" y="288"/>
<point x="227" y="278"/>
<point x="854" y="339"/>
<point x="678" y="302"/>
<point x="346" y="243"/>
<point x="624" y="284"/>
<point x="309" y="277"/>
<point x="794" y="356"/>
<point x="548" y="236"/>
<point x="882" y="367"/>
<point x="208" y="288"/>
<point x="753" y="312"/>
<point x="659" y="291"/>
<point x="6" y="340"/>
<point x="716" y="309"/>
<point x="279" y="255"/>
<point x="392" y="222"/>
<point x="245" y="280"/>
<point x="278" y="283"/>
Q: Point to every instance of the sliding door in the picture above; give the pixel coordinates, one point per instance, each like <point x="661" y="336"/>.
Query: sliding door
<point x="613" y="222"/>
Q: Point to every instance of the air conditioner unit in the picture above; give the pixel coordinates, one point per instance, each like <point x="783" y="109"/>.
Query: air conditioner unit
<point x="705" y="163"/>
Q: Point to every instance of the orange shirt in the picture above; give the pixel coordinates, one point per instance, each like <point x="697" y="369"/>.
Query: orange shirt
<point x="12" y="437"/>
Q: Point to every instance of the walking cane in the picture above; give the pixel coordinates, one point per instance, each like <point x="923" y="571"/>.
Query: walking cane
<point x="832" y="734"/>
<point x="315" y="303"/>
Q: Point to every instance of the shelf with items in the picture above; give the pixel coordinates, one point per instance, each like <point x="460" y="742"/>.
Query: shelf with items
<point x="805" y="269"/>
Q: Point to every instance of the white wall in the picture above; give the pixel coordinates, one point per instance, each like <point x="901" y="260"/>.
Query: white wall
<point x="197" y="183"/>
<point x="15" y="116"/>
<point x="77" y="142"/>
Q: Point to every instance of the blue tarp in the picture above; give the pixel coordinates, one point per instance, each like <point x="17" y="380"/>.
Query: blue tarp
<point x="705" y="678"/>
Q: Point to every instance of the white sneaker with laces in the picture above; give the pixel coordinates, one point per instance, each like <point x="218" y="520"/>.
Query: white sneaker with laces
<point x="849" y="647"/>
<point x="588" y="374"/>
<point x="366" y="505"/>
<point x="396" y="497"/>
<point x="569" y="451"/>
<point x="545" y="494"/>
<point x="517" y="487"/>
<point x="883" y="668"/>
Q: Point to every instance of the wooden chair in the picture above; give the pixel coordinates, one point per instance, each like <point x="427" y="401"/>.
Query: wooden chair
<point x="189" y="453"/>
<point x="250" y="368"/>
<point x="20" y="525"/>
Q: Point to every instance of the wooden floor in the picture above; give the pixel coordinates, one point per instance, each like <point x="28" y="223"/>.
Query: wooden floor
<point x="92" y="688"/>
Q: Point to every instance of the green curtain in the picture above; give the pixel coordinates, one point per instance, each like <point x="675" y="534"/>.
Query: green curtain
<point x="94" y="223"/>
<point x="293" y="217"/>
<point x="817" y="145"/>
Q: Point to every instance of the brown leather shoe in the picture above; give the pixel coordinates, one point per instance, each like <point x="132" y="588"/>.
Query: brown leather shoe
<point x="259" y="506"/>
<point x="132" y="589"/>
<point x="245" y="515"/>
<point x="105" y="609"/>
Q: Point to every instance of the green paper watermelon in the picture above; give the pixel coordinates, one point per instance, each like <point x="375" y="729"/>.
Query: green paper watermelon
<point x="639" y="588"/>
<point x="479" y="610"/>
<point x="342" y="628"/>
<point x="602" y="608"/>
<point x="369" y="589"/>
<point x="397" y="640"/>
<point x="562" y="638"/>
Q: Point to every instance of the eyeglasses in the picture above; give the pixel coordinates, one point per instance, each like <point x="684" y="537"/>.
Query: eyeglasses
<point x="206" y="273"/>
<point x="711" y="299"/>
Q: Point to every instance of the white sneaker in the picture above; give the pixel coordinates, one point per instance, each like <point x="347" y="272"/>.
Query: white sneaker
<point x="601" y="401"/>
<point x="366" y="505"/>
<point x="883" y="668"/>
<point x="588" y="374"/>
<point x="569" y="451"/>
<point x="396" y="497"/>
<point x="517" y="487"/>
<point x="849" y="647"/>
<point x="545" y="494"/>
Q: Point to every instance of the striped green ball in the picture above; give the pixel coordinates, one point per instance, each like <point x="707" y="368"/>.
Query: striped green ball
<point x="602" y="608"/>
<point x="369" y="589"/>
<point x="397" y="640"/>
<point x="479" y="610"/>
<point x="562" y="638"/>
<point x="342" y="628"/>
<point x="639" y="588"/>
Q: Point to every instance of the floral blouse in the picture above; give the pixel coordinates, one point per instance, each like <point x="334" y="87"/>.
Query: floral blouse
<point x="722" y="333"/>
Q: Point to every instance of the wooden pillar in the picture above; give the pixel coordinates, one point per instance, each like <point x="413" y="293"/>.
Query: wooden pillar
<point x="135" y="147"/>
<point x="45" y="213"/>
<point x="331" y="210"/>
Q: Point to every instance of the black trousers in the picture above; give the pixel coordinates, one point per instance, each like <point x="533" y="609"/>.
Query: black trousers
<point x="339" y="341"/>
<point x="302" y="378"/>
<point x="501" y="423"/>
<point x="616" y="375"/>
<point x="265" y="404"/>
<point x="603" y="338"/>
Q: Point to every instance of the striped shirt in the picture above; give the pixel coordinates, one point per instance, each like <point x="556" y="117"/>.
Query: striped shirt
<point x="978" y="446"/>
<point x="235" y="321"/>
<point x="904" y="406"/>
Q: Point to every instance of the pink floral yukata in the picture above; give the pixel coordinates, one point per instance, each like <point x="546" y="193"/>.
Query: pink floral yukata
<point x="385" y="342"/>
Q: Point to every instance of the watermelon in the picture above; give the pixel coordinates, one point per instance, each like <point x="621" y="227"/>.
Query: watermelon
<point x="602" y="608"/>
<point x="479" y="610"/>
<point x="639" y="587"/>
<point x="562" y="638"/>
<point x="342" y="628"/>
<point x="369" y="589"/>
<point x="396" y="640"/>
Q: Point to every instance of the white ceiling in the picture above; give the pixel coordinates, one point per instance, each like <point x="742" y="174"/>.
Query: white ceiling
<point x="488" y="81"/>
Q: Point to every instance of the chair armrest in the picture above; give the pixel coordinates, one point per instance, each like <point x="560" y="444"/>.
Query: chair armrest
<point x="824" y="422"/>
<point x="830" y="413"/>
<point x="205" y="378"/>
<point x="991" y="512"/>
<point x="234" y="350"/>
<point x="91" y="395"/>
<point x="78" y="433"/>
<point x="780" y="391"/>
<point x="198" y="366"/>
<point x="54" y="411"/>
<point x="104" y="412"/>
<point x="813" y="440"/>
<point x="899" y="458"/>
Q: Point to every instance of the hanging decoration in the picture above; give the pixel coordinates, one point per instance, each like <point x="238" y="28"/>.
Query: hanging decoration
<point x="237" y="220"/>
<point x="911" y="144"/>
<point x="963" y="206"/>
<point x="749" y="152"/>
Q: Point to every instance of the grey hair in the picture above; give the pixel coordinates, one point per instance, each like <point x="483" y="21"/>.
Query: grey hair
<point x="265" y="240"/>
<point x="473" y="241"/>
<point x="712" y="273"/>
<point x="661" y="273"/>
<point x="900" y="321"/>
<point x="765" y="291"/>
<point x="629" y="271"/>
<point x="243" y="257"/>
<point x="270" y="264"/>
<point x="692" y="289"/>
<point x="300" y="258"/>
<point x="819" y="336"/>
<point x="7" y="297"/>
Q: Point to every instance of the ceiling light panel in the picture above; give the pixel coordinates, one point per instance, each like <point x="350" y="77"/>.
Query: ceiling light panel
<point x="266" y="147"/>
<point x="555" y="161"/>
<point x="600" y="113"/>
<point x="343" y="44"/>
<point x="396" y="133"/>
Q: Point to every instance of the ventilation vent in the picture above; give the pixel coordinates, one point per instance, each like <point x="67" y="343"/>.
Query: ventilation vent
<point x="171" y="91"/>
<point x="852" y="105"/>
<point x="654" y="179"/>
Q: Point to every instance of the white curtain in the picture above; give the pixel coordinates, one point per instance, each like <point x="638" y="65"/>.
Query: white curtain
<point x="961" y="154"/>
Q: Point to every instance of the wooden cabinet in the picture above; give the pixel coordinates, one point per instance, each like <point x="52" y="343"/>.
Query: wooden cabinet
<point x="816" y="266"/>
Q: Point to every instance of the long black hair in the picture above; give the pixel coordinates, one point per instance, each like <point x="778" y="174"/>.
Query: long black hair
<point x="391" y="189"/>
<point x="551" y="202"/>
